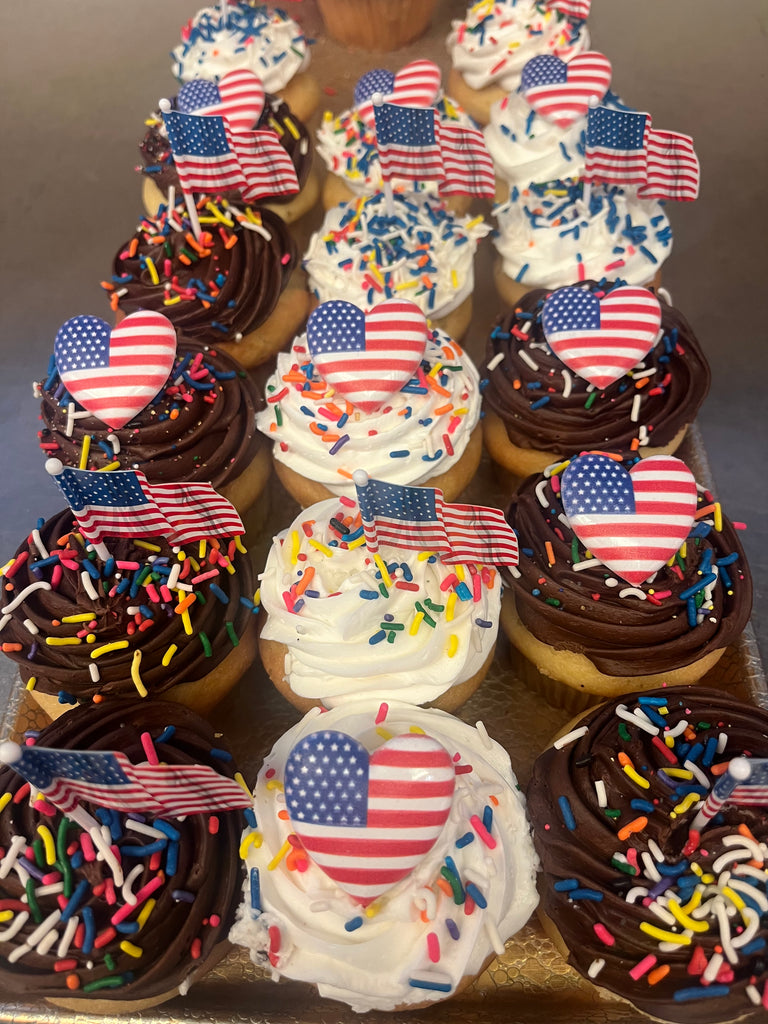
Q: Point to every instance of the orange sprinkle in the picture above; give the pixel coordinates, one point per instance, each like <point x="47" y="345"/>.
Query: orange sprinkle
<point x="442" y="883"/>
<point x="658" y="973"/>
<point x="437" y="388"/>
<point x="744" y="830"/>
<point x="185" y="259"/>
<point x="107" y="285"/>
<point x="133" y="246"/>
<point x="426" y="281"/>
<point x="345" y="473"/>
<point x="305" y="580"/>
<point x="706" y="510"/>
<point x="641" y="383"/>
<point x="73" y="982"/>
<point x="185" y="603"/>
<point x="447" y="352"/>
<point x="635" y="444"/>
<point x="283" y="815"/>
<point x="114" y="301"/>
<point x="10" y="647"/>
<point x="494" y="800"/>
<point x="516" y="385"/>
<point x="625" y="759"/>
<point x="550" y="552"/>
<point x="608" y="455"/>
<point x="719" y="769"/>
<point x="444" y="409"/>
<point x="690" y="734"/>
<point x="424" y="917"/>
<point x="173" y="414"/>
<point x="230" y="242"/>
<point x="637" y="825"/>
<point x="97" y="698"/>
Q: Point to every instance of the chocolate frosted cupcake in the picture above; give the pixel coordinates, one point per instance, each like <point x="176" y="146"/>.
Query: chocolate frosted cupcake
<point x="232" y="288"/>
<point x="151" y="619"/>
<point x="640" y="598"/>
<point x="641" y="896"/>
<point x="119" y="934"/>
<point x="200" y="427"/>
<point x="539" y="409"/>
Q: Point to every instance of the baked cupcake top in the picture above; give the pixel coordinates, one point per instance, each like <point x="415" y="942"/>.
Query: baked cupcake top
<point x="200" y="426"/>
<point x="671" y="919"/>
<point x="406" y="625"/>
<point x="468" y="862"/>
<point x="90" y="629"/>
<point x="545" y="404"/>
<point x="259" y="38"/>
<point x="149" y="923"/>
<point x="215" y="289"/>
<point x="418" y="430"/>
<point x="423" y="253"/>
<point x="697" y="602"/>
<point x="549" y="236"/>
<point x="493" y="43"/>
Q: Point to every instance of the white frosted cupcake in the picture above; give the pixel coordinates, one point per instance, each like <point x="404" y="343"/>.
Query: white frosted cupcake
<point x="369" y="929"/>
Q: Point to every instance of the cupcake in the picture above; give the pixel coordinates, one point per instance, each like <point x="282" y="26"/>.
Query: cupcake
<point x="125" y="929"/>
<point x="159" y="172"/>
<point x="149" y="620"/>
<point x="413" y="420"/>
<point x="347" y="141"/>
<point x="423" y="253"/>
<point x="494" y="42"/>
<point x="644" y="898"/>
<point x="549" y="237"/>
<point x="200" y="426"/>
<point x="238" y="287"/>
<point x="251" y="36"/>
<point x="428" y="912"/>
<point x="342" y="623"/>
<point x="376" y="24"/>
<point x="538" y="408"/>
<point x="629" y="576"/>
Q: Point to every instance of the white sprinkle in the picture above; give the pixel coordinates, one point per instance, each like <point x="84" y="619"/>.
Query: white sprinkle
<point x="15" y="927"/>
<point x="635" y="412"/>
<point x="67" y="937"/>
<point x="173" y="576"/>
<point x="70" y="419"/>
<point x="653" y="874"/>
<point x="498" y="358"/>
<point x="146" y="830"/>
<point x="483" y="732"/>
<point x="16" y="848"/>
<point x="493" y="935"/>
<point x="642" y="434"/>
<point x="595" y="967"/>
<point x="127" y="889"/>
<point x="611" y="582"/>
<point x="527" y="359"/>
<point x="588" y="563"/>
<point x="602" y="796"/>
<point x="753" y="995"/>
<point x="540" y="493"/>
<point x="727" y="858"/>
<point x="622" y="712"/>
<point x="93" y="669"/>
<point x="568" y="383"/>
<point x="753" y="923"/>
<point x="632" y="592"/>
<point x="701" y="778"/>
<point x="114" y="440"/>
<point x="570" y="737"/>
<point x="643" y="373"/>
<point x="725" y="927"/>
<point x="304" y="147"/>
<point x="40" y="585"/>
<point x="31" y="627"/>
<point x="88" y="586"/>
<point x="635" y="892"/>
<point x="658" y="856"/>
<point x="514" y="572"/>
<point x="43" y="928"/>
<point x="48" y="941"/>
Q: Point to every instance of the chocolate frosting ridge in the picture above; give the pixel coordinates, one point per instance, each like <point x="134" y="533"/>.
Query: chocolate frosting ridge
<point x="593" y="854"/>
<point x="208" y="867"/>
<point x="669" y="401"/>
<point x="621" y="636"/>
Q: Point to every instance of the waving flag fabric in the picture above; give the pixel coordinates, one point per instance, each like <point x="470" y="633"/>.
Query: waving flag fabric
<point x="615" y="150"/>
<point x="577" y="9"/>
<point x="672" y="167"/>
<point x="467" y="164"/>
<point x="408" y="141"/>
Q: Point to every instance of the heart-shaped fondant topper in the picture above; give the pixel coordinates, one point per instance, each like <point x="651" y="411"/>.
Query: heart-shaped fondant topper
<point x="415" y="85"/>
<point x="238" y="96"/>
<point x="601" y="339"/>
<point x="367" y="821"/>
<point x="561" y="92"/>
<point x="632" y="521"/>
<point x="114" y="372"/>
<point x="367" y="357"/>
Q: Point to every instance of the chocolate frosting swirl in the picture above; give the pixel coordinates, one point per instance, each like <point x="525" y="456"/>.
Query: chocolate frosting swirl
<point x="223" y="292"/>
<point x="277" y="117"/>
<point x="670" y="397"/>
<point x="201" y="426"/>
<point x="608" y="850"/>
<point x="582" y="611"/>
<point x="207" y="873"/>
<point x="134" y="617"/>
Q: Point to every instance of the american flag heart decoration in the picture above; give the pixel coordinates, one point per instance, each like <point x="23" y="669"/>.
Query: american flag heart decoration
<point x="635" y="521"/>
<point x="386" y="812"/>
<point x="367" y="357"/>
<point x="561" y="92"/>
<point x="238" y="96"/>
<point x="415" y="85"/>
<point x="114" y="372"/>
<point x="601" y="338"/>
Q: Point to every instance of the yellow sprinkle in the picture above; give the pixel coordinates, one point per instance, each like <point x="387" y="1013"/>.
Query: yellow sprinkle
<point x="275" y="784"/>
<point x="110" y="466"/>
<point x="241" y="782"/>
<point x="275" y="126"/>
<point x="62" y="641"/>
<point x="253" y="839"/>
<point x="386" y="578"/>
<point x="150" y="265"/>
<point x="455" y="279"/>
<point x="460" y="574"/>
<point x="171" y="300"/>
<point x="195" y="565"/>
<point x="424" y="555"/>
<point x="707" y="879"/>
<point x="406" y="284"/>
<point x="678" y="773"/>
<point x="453" y="642"/>
<point x="86" y="617"/>
<point x="252" y="216"/>
<point x="733" y="896"/>
<point x="295" y="545"/>
<point x="461" y="412"/>
<point x="694" y="901"/>
<point x="356" y="543"/>
<point x="146" y="910"/>
<point x="669" y="740"/>
<point x="7" y="566"/>
<point x="417" y="729"/>
<point x="450" y="109"/>
<point x="5" y="799"/>
<point x="292" y="128"/>
<point x="257" y="596"/>
<point x="327" y="115"/>
<point x="201" y="547"/>
<point x="147" y="546"/>
<point x="370" y="911"/>
<point x="131" y="950"/>
<point x="417" y="620"/>
<point x="696" y="869"/>
<point x="83" y="464"/>
<point x="48" y="844"/>
<point x="320" y="547"/>
<point x="186" y="622"/>
<point x="240" y="546"/>
<point x="219" y="215"/>
<point x="450" y="605"/>
<point x="227" y="565"/>
<point x="279" y="856"/>
<point x="168" y="655"/>
<point x="473" y="223"/>
<point x="384" y="733"/>
<point x="135" y="675"/>
<point x="664" y="936"/>
<point x="5" y="915"/>
<point x="435" y="370"/>
<point x="637" y="779"/>
<point x="688" y="801"/>
<point x="718" y="517"/>
<point x="31" y="684"/>
<point x="687" y="922"/>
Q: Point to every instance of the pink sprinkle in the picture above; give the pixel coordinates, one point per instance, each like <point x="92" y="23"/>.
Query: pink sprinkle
<point x="449" y="581"/>
<point x="603" y="934"/>
<point x="149" y="748"/>
<point x="56" y="575"/>
<point x="127" y="565"/>
<point x="615" y="265"/>
<point x="285" y="259"/>
<point x="144" y="893"/>
<point x="344" y="500"/>
<point x="632" y="857"/>
<point x="738" y="526"/>
<point x="643" y="967"/>
<point x="555" y="484"/>
<point x="433" y="947"/>
<point x="109" y="892"/>
<point x="482" y="832"/>
<point x="86" y="844"/>
<point x="381" y="714"/>
<point x="765" y="995"/>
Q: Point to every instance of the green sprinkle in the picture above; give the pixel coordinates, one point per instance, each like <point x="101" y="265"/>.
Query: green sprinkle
<point x="391" y="637"/>
<point x="34" y="907"/>
<point x="200" y="598"/>
<point x="206" y="644"/>
<point x="703" y="725"/>
<point x="113" y="981"/>
<point x="109" y="962"/>
<point x="553" y="601"/>
<point x="37" y="849"/>
<point x="624" y="732"/>
<point x="383" y="590"/>
<point x="278" y="416"/>
<point x="590" y="401"/>
<point x="436" y="608"/>
<point x="622" y="865"/>
<point x="232" y="634"/>
<point x="392" y="625"/>
<point x="458" y="892"/>
<point x="610" y="813"/>
<point x="575" y="550"/>
<point x="62" y="860"/>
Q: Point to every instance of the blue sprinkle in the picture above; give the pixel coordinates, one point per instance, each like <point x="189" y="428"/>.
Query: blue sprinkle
<point x="172" y="859"/>
<point x="476" y="895"/>
<point x="143" y="851"/>
<point x="540" y="402"/>
<point x="401" y="454"/>
<point x="127" y="927"/>
<point x="66" y="698"/>
<point x="642" y="805"/>
<point x="567" y="813"/>
<point x="75" y="899"/>
<point x="377" y="637"/>
<point x="465" y="840"/>
<point x="353" y="925"/>
<point x="687" y="995"/>
<point x="483" y="623"/>
<point x="702" y="583"/>
<point x="754" y="946"/>
<point x="463" y="592"/>
<point x="435" y="986"/>
<point x="250" y="817"/>
<point x="255" y="893"/>
<point x="585" y="894"/>
<point x="369" y="595"/>
<point x="167" y="734"/>
<point x="182" y="896"/>
<point x="90" y="930"/>
<point x="487" y="817"/>
<point x="218" y="593"/>
<point x="566" y="885"/>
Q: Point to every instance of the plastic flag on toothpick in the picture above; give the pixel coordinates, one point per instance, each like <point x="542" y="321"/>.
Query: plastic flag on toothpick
<point x="408" y="141"/>
<point x="744" y="783"/>
<point x="672" y="170"/>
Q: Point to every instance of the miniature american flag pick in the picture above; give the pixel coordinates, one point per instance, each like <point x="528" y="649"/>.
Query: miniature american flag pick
<point x="114" y="372"/>
<point x="467" y="164"/>
<point x="615" y="150"/>
<point x="387" y="812"/>
<point x="601" y="339"/>
<point x="561" y="92"/>
<point x="632" y="521"/>
<point x="744" y="783"/>
<point x="672" y="167"/>
<point x="408" y="142"/>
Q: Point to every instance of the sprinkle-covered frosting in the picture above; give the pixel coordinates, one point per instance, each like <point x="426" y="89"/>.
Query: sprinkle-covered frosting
<point x="258" y="38"/>
<point x="218" y="287"/>
<point x="419" y="433"/>
<point x="438" y="925"/>
<point x="424" y="253"/>
<point x="546" y="406"/>
<point x="668" y="917"/>
<point x="549" y="236"/>
<point x="147" y="920"/>
<point x="496" y="40"/>
<point x="148" y="617"/>
<point x="400" y="623"/>
<point x="697" y="603"/>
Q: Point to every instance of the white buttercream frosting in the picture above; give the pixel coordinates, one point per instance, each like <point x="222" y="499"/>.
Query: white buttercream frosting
<point x="443" y="618"/>
<point x="418" y="433"/>
<point x="259" y="39"/>
<point x="370" y="965"/>
<point x="495" y="41"/>
<point x="424" y="253"/>
<point x="548" y="236"/>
